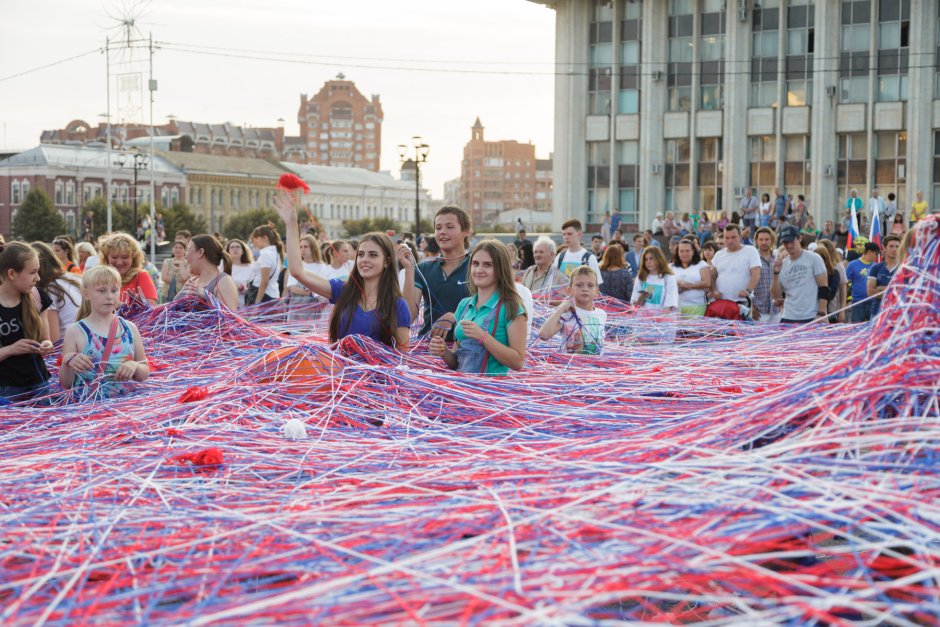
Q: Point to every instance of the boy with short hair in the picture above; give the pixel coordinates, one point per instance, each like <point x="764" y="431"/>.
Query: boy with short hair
<point x="581" y="323"/>
<point x="575" y="255"/>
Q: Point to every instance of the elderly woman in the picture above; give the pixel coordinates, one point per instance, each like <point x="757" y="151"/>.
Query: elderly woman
<point x="543" y="276"/>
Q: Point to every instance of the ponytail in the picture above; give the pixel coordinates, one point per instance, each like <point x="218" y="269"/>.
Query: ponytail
<point x="212" y="251"/>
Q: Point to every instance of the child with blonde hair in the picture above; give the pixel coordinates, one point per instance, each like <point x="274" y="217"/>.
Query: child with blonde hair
<point x="581" y="323"/>
<point x="102" y="352"/>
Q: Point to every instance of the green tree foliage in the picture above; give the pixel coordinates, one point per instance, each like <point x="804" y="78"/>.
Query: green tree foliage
<point x="180" y="217"/>
<point x="355" y="228"/>
<point x="244" y="223"/>
<point x="121" y="216"/>
<point x="37" y="218"/>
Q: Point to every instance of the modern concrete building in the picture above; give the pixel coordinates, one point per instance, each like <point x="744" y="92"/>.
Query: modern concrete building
<point x="674" y="104"/>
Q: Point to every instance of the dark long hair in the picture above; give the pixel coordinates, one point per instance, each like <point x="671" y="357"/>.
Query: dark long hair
<point x="386" y="298"/>
<point x="502" y="272"/>
<point x="212" y="251"/>
<point x="50" y="270"/>
<point x="273" y="239"/>
<point x="696" y="256"/>
<point x="13" y="256"/>
<point x="65" y="244"/>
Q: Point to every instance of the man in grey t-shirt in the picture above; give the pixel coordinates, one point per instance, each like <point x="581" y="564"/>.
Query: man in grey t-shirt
<point x="800" y="279"/>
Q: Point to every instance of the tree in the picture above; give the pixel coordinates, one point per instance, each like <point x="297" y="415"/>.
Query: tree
<point x="244" y="223"/>
<point x="37" y="218"/>
<point x="122" y="217"/>
<point x="180" y="217"/>
<point x="355" y="228"/>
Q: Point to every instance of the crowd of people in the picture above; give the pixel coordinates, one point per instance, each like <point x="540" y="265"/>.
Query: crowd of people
<point x="475" y="303"/>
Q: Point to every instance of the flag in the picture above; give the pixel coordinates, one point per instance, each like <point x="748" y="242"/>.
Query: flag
<point x="853" y="231"/>
<point x="875" y="228"/>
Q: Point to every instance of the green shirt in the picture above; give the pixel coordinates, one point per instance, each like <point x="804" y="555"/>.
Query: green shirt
<point x="469" y="311"/>
<point x="442" y="293"/>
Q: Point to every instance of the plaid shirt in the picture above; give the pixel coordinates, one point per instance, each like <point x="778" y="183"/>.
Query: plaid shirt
<point x="762" y="298"/>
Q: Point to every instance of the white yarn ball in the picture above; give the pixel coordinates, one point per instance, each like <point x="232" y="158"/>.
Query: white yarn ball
<point x="294" y="429"/>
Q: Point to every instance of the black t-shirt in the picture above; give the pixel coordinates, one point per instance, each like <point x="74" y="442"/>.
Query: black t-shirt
<point x="20" y="370"/>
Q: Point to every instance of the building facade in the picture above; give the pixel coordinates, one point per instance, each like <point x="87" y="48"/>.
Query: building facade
<point x="497" y="176"/>
<point x="74" y="175"/>
<point x="812" y="97"/>
<point x="220" y="187"/>
<point x="340" y="193"/>
<point x="341" y="127"/>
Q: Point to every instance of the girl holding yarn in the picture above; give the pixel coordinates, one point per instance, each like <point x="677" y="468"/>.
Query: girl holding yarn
<point x="102" y="347"/>
<point x="268" y="265"/>
<point x="24" y="338"/>
<point x="204" y="253"/>
<point x="370" y="302"/>
<point x="490" y="324"/>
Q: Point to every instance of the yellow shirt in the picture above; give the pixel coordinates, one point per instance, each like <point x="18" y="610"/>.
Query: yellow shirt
<point x="919" y="211"/>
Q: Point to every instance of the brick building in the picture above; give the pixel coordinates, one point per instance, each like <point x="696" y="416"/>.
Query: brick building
<point x="341" y="127"/>
<point x="497" y="176"/>
<point x="73" y="175"/>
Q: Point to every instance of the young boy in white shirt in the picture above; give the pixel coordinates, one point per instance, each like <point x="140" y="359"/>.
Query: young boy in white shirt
<point x="581" y="323"/>
<point x="575" y="255"/>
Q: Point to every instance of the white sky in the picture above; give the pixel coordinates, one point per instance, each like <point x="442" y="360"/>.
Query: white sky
<point x="505" y="49"/>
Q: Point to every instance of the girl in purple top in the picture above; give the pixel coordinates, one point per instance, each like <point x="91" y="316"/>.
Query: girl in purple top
<point x="370" y="302"/>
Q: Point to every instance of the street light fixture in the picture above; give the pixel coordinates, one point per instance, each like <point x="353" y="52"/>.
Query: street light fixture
<point x="139" y="162"/>
<point x="420" y="157"/>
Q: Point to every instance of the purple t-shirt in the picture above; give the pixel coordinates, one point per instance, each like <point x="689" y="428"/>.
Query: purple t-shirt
<point x="365" y="322"/>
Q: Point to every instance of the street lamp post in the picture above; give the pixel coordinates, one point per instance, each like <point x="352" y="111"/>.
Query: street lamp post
<point x="139" y="162"/>
<point x="421" y="151"/>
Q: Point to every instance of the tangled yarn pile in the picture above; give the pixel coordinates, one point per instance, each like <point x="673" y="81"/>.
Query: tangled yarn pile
<point x="741" y="475"/>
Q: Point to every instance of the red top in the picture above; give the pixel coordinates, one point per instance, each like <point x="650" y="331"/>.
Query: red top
<point x="143" y="284"/>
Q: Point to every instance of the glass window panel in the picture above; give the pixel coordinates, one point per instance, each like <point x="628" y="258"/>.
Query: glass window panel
<point x="796" y="42"/>
<point x="796" y="94"/>
<point x="707" y="174"/>
<point x="889" y="88"/>
<point x="680" y="7"/>
<point x="711" y="6"/>
<point x="885" y="172"/>
<point x="629" y="101"/>
<point x="603" y="11"/>
<point x="858" y="146"/>
<point x="795" y="148"/>
<point x="602" y="54"/>
<point x="768" y="172"/>
<point x="710" y="47"/>
<point x="793" y="174"/>
<point x="629" y="152"/>
<point x="630" y="52"/>
<point x="889" y="35"/>
<point x="856" y="174"/>
<point x="599" y="153"/>
<point x="885" y="145"/>
<point x="889" y="10"/>
<point x="627" y="176"/>
<point x="681" y="171"/>
<point x="711" y="97"/>
<point x="628" y="204"/>
<point x="683" y="150"/>
<point x="632" y="10"/>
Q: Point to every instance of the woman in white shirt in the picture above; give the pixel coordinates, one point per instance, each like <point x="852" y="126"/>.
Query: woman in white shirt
<point x="65" y="289"/>
<point x="243" y="268"/>
<point x="302" y="299"/>
<point x="655" y="287"/>
<point x="692" y="279"/>
<point x="269" y="263"/>
<point x="764" y="210"/>
<point x="339" y="259"/>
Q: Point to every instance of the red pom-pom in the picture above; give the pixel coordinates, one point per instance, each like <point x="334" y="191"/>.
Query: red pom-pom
<point x="193" y="394"/>
<point x="290" y="182"/>
<point x="204" y="458"/>
<point x="174" y="432"/>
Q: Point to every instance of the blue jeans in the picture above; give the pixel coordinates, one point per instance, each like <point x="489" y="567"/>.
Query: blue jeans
<point x="12" y="394"/>
<point x="861" y="312"/>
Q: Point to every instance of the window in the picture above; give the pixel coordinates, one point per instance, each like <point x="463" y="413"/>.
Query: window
<point x="801" y="43"/>
<point x="628" y="100"/>
<point x="891" y="163"/>
<point x="765" y="26"/>
<point x="70" y="193"/>
<point x="679" y="68"/>
<point x="763" y="163"/>
<point x="796" y="175"/>
<point x="709" y="174"/>
<point x="711" y="48"/>
<point x="59" y="192"/>
<point x="893" y="50"/>
<point x="598" y="181"/>
<point x="602" y="57"/>
<point x="628" y="159"/>
<point x="851" y="164"/>
<point x="15" y="193"/>
<point x="24" y="189"/>
<point x="856" y="46"/>
<point x="677" y="174"/>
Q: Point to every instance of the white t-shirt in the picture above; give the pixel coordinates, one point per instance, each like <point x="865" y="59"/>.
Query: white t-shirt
<point x="526" y="295"/>
<point x="692" y="274"/>
<point x="584" y="334"/>
<point x="243" y="274"/>
<point x="67" y="308"/>
<point x="798" y="280"/>
<point x="665" y="292"/>
<point x="572" y="260"/>
<point x="341" y="273"/>
<point x="313" y="268"/>
<point x="91" y="262"/>
<point x="268" y="258"/>
<point x="734" y="270"/>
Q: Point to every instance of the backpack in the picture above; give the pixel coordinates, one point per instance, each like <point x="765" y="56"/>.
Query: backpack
<point x="584" y="258"/>
<point x="727" y="309"/>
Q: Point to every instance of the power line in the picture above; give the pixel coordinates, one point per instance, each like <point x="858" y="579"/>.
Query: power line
<point x="49" y="65"/>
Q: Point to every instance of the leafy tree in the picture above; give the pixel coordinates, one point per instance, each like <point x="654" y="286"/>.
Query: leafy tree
<point x="37" y="218"/>
<point x="122" y="216"/>
<point x="355" y="228"/>
<point x="244" y="223"/>
<point x="180" y="217"/>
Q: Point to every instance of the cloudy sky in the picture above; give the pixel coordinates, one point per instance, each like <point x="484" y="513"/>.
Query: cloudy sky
<point x="436" y="64"/>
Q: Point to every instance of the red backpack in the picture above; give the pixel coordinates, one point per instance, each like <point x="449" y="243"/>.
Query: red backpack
<point x="727" y="309"/>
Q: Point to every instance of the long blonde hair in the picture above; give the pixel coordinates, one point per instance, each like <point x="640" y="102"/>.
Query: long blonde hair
<point x="123" y="243"/>
<point x="92" y="278"/>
